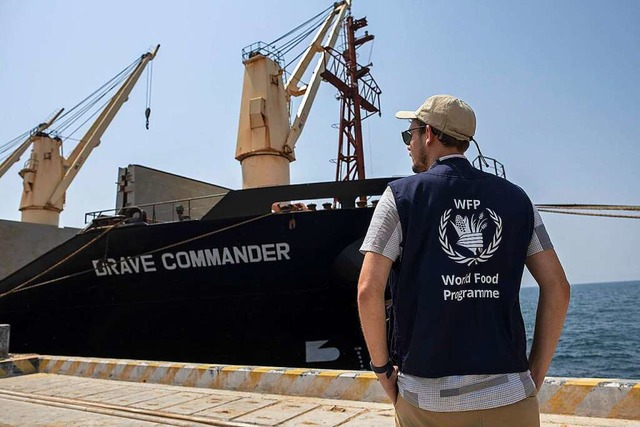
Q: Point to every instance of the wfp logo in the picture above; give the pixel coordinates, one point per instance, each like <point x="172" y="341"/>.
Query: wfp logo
<point x="470" y="233"/>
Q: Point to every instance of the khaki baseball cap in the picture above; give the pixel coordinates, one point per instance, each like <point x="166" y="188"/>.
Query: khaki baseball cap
<point x="446" y="113"/>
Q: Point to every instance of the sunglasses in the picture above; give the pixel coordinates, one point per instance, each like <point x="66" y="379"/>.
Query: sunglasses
<point x="406" y="134"/>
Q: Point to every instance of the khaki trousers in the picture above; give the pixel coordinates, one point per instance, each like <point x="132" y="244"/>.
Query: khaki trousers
<point x="524" y="413"/>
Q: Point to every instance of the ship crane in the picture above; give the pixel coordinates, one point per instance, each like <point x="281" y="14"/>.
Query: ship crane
<point x="47" y="174"/>
<point x="15" y="156"/>
<point x="266" y="134"/>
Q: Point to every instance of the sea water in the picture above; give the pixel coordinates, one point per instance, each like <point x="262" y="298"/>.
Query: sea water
<point x="601" y="336"/>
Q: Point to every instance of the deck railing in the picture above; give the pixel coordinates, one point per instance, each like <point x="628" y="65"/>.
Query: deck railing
<point x="166" y="211"/>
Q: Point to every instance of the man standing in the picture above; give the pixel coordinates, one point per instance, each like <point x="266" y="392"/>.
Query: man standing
<point x="455" y="241"/>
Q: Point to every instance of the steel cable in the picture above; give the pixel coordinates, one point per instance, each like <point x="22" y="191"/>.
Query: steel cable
<point x="287" y="47"/>
<point x="63" y="126"/>
<point x="127" y="70"/>
<point x="69" y="117"/>
<point x="301" y="25"/>
<point x="15" y="141"/>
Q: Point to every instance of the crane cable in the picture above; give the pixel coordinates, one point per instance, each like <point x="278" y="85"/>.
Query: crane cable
<point x="147" y="111"/>
<point x="15" y="141"/>
<point x="290" y="47"/>
<point x="91" y="102"/>
<point x="97" y="110"/>
<point x="313" y="24"/>
<point x="301" y="25"/>
<point x="298" y="55"/>
<point x="72" y="116"/>
<point x="67" y="118"/>
<point x="291" y="44"/>
<point x="80" y="109"/>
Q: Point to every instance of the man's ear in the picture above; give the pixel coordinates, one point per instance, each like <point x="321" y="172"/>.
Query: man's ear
<point x="431" y="137"/>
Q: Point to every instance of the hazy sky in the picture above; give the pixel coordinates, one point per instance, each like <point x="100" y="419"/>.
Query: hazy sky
<point x="554" y="85"/>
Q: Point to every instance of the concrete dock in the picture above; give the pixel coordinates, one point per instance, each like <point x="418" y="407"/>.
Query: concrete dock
<point x="56" y="391"/>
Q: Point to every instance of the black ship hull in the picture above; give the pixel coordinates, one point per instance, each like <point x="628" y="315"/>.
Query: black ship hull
<point x="240" y="286"/>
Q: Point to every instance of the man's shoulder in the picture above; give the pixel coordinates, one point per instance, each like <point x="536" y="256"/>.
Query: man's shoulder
<point x="503" y="182"/>
<point x="400" y="183"/>
<point x="515" y="188"/>
<point x="412" y="180"/>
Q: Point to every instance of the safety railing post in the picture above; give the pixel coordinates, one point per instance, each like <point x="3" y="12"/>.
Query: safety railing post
<point x="4" y="341"/>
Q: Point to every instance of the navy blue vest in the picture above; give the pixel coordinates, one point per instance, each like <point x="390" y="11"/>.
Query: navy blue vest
<point x="456" y="286"/>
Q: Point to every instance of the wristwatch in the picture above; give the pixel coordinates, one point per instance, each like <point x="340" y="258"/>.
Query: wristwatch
<point x="386" y="369"/>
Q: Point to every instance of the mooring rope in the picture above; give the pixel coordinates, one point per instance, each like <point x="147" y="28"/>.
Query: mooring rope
<point x="24" y="287"/>
<point x="574" y="209"/>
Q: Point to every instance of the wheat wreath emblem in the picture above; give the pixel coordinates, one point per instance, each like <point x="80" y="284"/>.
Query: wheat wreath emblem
<point x="483" y="254"/>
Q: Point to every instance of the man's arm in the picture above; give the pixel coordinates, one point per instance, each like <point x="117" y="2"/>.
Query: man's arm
<point x="553" y="302"/>
<point x="371" y="286"/>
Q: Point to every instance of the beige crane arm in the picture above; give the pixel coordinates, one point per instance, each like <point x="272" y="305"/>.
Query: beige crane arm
<point x="291" y="87"/>
<point x="15" y="156"/>
<point x="312" y="89"/>
<point x="92" y="138"/>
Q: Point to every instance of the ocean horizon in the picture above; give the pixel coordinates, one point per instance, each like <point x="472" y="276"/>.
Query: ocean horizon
<point x="534" y="285"/>
<point x="601" y="335"/>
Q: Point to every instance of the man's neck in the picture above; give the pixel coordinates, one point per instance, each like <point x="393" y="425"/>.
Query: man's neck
<point x="442" y="154"/>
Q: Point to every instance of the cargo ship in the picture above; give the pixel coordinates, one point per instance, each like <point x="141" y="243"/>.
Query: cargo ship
<point x="266" y="276"/>
<point x="240" y="285"/>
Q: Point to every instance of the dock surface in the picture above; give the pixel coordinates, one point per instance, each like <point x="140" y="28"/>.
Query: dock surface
<point x="42" y="399"/>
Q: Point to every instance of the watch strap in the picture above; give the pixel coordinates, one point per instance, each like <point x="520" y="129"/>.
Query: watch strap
<point x="386" y="369"/>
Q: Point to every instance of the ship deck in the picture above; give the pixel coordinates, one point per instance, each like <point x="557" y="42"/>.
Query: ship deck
<point x="52" y="391"/>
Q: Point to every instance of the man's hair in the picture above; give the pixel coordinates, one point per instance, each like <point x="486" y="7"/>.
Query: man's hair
<point x="448" y="140"/>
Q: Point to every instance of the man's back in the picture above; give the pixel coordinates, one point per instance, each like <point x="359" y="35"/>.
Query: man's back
<point x="455" y="296"/>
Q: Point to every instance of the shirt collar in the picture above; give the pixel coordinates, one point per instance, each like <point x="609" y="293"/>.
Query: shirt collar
<point x="450" y="156"/>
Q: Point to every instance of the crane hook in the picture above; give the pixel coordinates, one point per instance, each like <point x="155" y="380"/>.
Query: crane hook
<point x="147" y="113"/>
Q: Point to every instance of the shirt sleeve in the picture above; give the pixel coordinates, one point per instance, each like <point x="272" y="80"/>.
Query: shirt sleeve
<point x="384" y="234"/>
<point x="540" y="240"/>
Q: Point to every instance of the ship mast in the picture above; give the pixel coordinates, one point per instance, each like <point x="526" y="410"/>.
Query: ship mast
<point x="359" y="99"/>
